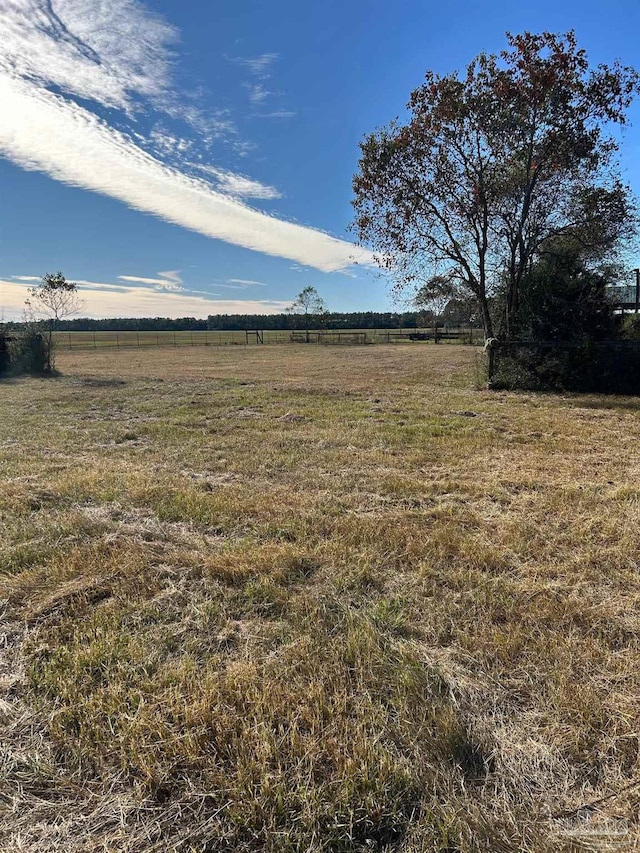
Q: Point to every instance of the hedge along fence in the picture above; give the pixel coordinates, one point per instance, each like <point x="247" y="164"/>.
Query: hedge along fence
<point x="605" y="367"/>
<point x="596" y="366"/>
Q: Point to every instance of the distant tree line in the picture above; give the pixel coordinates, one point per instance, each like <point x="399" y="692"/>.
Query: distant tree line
<point x="458" y="313"/>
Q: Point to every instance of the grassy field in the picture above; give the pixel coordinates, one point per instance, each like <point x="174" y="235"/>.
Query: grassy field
<point x="292" y="599"/>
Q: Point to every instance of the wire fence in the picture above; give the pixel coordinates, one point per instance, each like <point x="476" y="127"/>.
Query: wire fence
<point x="142" y="340"/>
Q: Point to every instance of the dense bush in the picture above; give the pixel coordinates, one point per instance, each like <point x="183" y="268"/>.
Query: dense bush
<point x="34" y="353"/>
<point x="566" y="335"/>
<point x="561" y="299"/>
<point x="29" y="351"/>
<point x="607" y="367"/>
<point x="5" y="354"/>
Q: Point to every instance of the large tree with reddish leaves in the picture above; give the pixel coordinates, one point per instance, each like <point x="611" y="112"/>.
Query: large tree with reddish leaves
<point x="493" y="166"/>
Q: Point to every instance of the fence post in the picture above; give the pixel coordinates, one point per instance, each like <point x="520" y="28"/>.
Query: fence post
<point x="117" y="341"/>
<point x="492" y="364"/>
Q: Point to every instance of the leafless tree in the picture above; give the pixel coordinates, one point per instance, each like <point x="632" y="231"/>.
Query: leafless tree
<point x="56" y="298"/>
<point x="308" y="303"/>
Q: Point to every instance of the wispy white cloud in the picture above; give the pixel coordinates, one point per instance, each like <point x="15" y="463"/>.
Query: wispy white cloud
<point x="102" y="299"/>
<point x="167" y="144"/>
<point x="237" y="185"/>
<point x="231" y="286"/>
<point x="100" y="285"/>
<point x="244" y="147"/>
<point x="113" y="53"/>
<point x="136" y="279"/>
<point x="247" y="282"/>
<point x="44" y="132"/>
<point x="243" y="187"/>
<point x="258" y="93"/>
<point x="274" y="114"/>
<point x="261" y="69"/>
<point x="259" y="65"/>
<point x="105" y="52"/>
<point x="169" y="280"/>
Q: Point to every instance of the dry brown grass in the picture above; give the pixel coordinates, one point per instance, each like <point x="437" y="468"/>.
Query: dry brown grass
<point x="302" y="599"/>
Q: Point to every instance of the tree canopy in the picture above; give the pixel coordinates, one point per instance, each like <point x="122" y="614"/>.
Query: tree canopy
<point x="561" y="299"/>
<point x="57" y="298"/>
<point x="308" y="301"/>
<point x="494" y="165"/>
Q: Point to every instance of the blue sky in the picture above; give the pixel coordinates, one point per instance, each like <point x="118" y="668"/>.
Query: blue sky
<point x="192" y="158"/>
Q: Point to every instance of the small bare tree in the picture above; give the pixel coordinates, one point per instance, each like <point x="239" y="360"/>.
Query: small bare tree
<point x="435" y="294"/>
<point x="56" y="298"/>
<point x="308" y="303"/>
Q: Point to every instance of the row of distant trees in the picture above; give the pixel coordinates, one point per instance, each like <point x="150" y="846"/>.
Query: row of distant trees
<point x="55" y="303"/>
<point x="453" y="315"/>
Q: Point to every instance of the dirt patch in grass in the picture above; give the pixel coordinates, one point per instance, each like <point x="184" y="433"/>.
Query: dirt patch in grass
<point x="292" y="598"/>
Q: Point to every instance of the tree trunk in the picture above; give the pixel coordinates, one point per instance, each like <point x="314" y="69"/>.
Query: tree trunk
<point x="49" y="345"/>
<point x="487" y="322"/>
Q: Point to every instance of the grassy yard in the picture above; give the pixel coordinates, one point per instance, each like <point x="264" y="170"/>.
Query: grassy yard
<point x="315" y="599"/>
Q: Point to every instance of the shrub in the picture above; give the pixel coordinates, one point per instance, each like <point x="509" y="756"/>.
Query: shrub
<point x="32" y="353"/>
<point x="28" y="351"/>
<point x="606" y="367"/>
<point x="566" y="336"/>
<point x="5" y="354"/>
